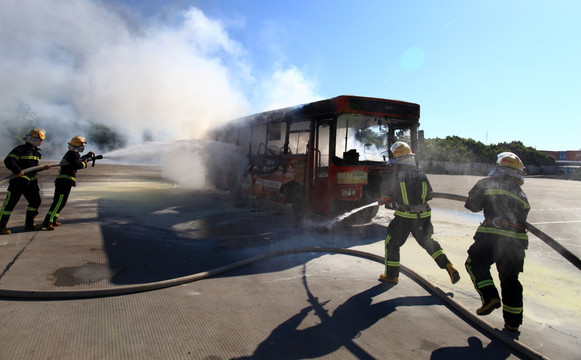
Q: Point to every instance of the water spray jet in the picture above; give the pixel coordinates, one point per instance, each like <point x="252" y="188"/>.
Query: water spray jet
<point x="328" y="224"/>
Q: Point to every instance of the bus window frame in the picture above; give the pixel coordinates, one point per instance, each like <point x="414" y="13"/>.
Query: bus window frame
<point x="301" y="124"/>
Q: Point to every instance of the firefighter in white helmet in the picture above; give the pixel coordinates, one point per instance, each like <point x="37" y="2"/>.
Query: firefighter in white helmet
<point x="71" y="162"/>
<point x="407" y="191"/>
<point x="500" y="239"/>
<point x="19" y="159"/>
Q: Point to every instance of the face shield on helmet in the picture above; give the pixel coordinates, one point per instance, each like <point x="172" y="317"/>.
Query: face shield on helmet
<point x="402" y="154"/>
<point x="509" y="164"/>
<point x="400" y="148"/>
<point x="77" y="144"/>
<point x="510" y="160"/>
<point x="35" y="137"/>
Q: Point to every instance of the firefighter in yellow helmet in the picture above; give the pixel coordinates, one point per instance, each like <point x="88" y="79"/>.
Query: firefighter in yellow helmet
<point x="19" y="159"/>
<point x="500" y="239"/>
<point x="71" y="162"/>
<point x="407" y="191"/>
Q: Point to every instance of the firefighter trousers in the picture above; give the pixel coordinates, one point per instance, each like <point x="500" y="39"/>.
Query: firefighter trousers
<point x="62" y="190"/>
<point x="398" y="231"/>
<point x="17" y="188"/>
<point x="508" y="254"/>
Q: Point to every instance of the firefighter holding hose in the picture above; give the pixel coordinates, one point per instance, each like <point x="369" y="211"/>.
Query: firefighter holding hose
<point x="71" y="162"/>
<point x="19" y="159"/>
<point x="408" y="192"/>
<point x="500" y="239"/>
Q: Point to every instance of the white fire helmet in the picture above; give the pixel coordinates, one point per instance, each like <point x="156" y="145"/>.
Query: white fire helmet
<point x="400" y="148"/>
<point x="510" y="160"/>
<point x="402" y="154"/>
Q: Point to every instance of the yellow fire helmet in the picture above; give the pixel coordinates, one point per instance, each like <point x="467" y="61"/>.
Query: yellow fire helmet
<point x="35" y="137"/>
<point x="37" y="133"/>
<point x="510" y="160"/>
<point x="78" y="141"/>
<point x="400" y="148"/>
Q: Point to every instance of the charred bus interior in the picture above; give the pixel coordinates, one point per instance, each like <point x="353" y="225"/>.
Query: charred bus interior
<point x="326" y="157"/>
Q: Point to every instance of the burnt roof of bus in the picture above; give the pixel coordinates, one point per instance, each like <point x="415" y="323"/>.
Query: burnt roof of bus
<point x="397" y="112"/>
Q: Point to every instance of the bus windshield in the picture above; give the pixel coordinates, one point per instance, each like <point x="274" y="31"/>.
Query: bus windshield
<point x="363" y="135"/>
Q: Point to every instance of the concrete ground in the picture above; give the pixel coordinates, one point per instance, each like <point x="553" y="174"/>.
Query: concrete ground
<point x="125" y="228"/>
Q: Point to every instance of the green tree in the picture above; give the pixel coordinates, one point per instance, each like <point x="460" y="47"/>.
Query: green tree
<point x="460" y="150"/>
<point x="105" y="138"/>
<point x="368" y="136"/>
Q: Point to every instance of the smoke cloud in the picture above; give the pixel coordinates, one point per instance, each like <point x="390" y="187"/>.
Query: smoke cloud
<point x="71" y="63"/>
<point x="74" y="63"/>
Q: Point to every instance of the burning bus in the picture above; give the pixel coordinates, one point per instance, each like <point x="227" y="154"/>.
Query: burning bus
<point x="322" y="158"/>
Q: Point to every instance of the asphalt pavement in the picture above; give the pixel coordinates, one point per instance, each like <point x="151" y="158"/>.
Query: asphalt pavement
<point x="143" y="268"/>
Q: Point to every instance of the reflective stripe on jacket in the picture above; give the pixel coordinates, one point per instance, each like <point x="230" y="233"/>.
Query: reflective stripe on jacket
<point x="23" y="157"/>
<point x="504" y="204"/>
<point x="409" y="191"/>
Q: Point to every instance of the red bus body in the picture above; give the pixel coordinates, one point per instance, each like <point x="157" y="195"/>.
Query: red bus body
<point x="316" y="156"/>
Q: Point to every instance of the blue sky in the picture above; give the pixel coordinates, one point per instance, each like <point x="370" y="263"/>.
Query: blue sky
<point x="493" y="71"/>
<point x="489" y="70"/>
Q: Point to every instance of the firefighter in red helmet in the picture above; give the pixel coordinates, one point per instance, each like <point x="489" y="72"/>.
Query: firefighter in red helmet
<point x="500" y="239"/>
<point x="408" y="192"/>
<point x="20" y="158"/>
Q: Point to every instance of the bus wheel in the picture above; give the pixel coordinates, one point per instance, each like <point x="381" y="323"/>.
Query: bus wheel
<point x="366" y="215"/>
<point x="237" y="194"/>
<point x="299" y="207"/>
<point x="361" y="217"/>
<point x="296" y="195"/>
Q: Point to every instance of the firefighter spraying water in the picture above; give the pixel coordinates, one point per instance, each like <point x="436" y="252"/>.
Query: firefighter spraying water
<point x="408" y="193"/>
<point x="23" y="162"/>
<point x="71" y="162"/>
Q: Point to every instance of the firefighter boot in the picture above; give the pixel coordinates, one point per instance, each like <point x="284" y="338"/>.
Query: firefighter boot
<point x="3" y="230"/>
<point x="454" y="275"/>
<point x="384" y="278"/>
<point x="488" y="307"/>
<point x="47" y="224"/>
<point x="29" y="225"/>
<point x="511" y="328"/>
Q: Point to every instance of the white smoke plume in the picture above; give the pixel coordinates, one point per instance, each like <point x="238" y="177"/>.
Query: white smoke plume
<point x="68" y="64"/>
<point x="79" y="62"/>
<point x="193" y="164"/>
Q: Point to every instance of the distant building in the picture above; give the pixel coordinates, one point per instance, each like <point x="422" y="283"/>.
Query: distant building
<point x="568" y="163"/>
<point x="569" y="155"/>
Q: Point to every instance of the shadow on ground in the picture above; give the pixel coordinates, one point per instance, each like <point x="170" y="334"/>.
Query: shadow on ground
<point x="348" y="321"/>
<point x="203" y="231"/>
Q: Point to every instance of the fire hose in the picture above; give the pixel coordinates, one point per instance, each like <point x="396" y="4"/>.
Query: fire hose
<point x="572" y="258"/>
<point x="510" y="341"/>
<point x="131" y="289"/>
<point x="39" y="168"/>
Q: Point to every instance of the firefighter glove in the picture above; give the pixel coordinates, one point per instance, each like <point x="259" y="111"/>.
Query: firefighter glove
<point x="384" y="200"/>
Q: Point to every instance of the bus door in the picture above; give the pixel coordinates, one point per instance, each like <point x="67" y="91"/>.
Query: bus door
<point x="321" y="190"/>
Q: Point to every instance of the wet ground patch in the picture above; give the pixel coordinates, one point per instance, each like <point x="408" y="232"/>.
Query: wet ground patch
<point x="84" y="274"/>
